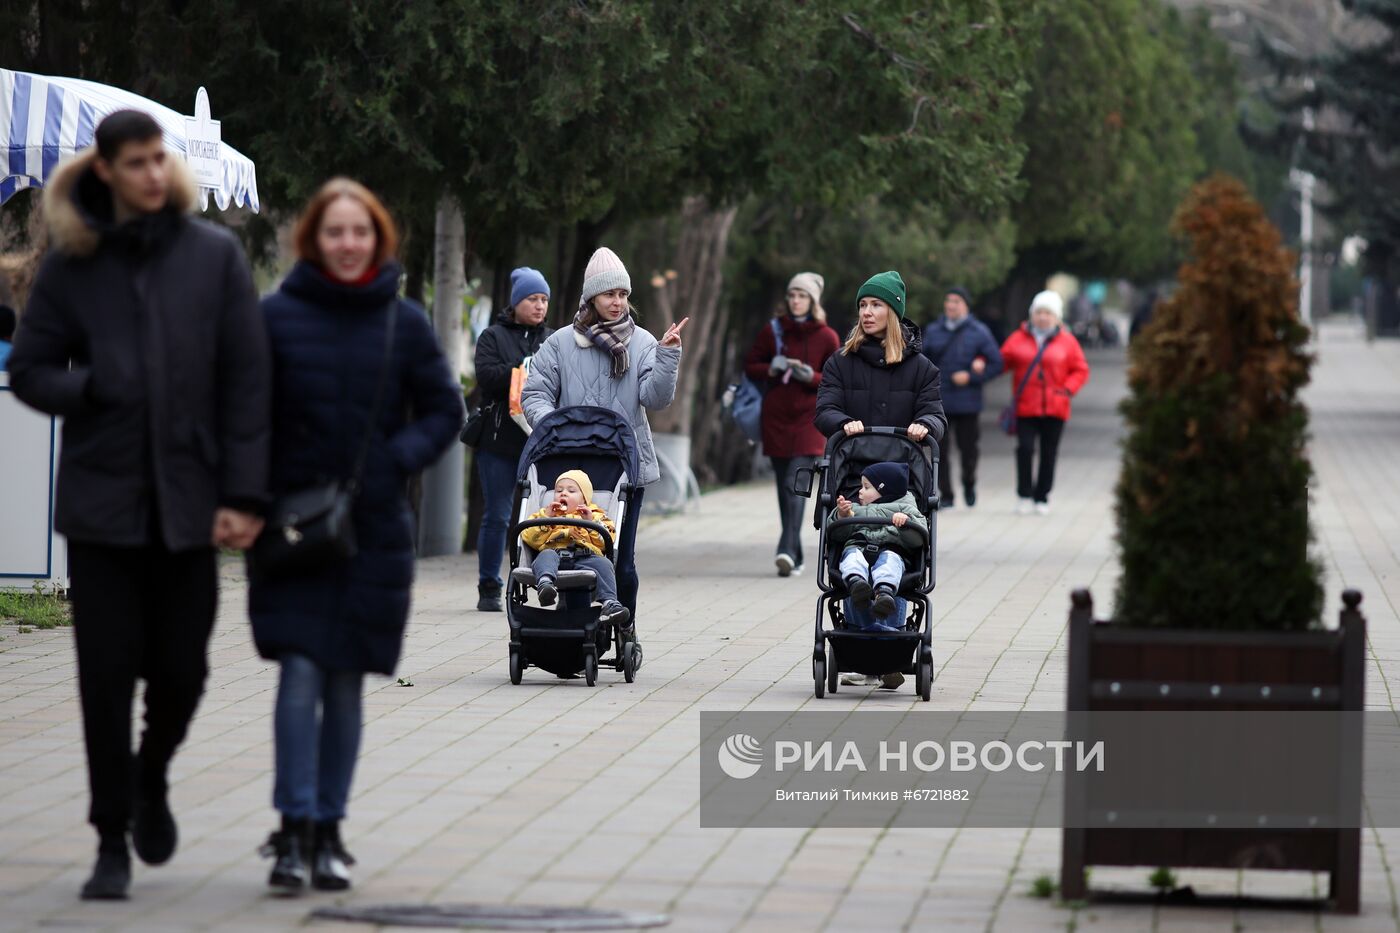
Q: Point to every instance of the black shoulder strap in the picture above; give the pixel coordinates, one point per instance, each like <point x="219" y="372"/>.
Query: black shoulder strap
<point x="1030" y="369"/>
<point x="393" y="314"/>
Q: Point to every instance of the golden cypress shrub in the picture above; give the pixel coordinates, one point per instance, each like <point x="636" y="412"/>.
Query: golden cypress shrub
<point x="1212" y="501"/>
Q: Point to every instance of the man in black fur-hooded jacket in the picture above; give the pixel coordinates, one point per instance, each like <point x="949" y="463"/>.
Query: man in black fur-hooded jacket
<point x="142" y="332"/>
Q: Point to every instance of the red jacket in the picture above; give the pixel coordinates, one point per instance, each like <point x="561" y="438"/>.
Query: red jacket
<point x="1061" y="373"/>
<point x="790" y="408"/>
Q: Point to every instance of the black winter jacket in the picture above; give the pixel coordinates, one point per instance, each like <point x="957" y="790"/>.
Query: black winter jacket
<point x="499" y="349"/>
<point x="328" y="349"/>
<point x="146" y="339"/>
<point x="862" y="387"/>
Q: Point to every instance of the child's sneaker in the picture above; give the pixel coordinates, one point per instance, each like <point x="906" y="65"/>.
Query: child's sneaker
<point x="884" y="605"/>
<point x="785" y="564"/>
<point x="859" y="588"/>
<point x="614" y="613"/>
<point x="548" y="592"/>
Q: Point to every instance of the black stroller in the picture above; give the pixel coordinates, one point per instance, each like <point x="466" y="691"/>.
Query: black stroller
<point x="842" y="648"/>
<point x="569" y="637"/>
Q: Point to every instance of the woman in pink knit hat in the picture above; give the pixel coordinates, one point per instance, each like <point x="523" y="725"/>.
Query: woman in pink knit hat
<point x="606" y="360"/>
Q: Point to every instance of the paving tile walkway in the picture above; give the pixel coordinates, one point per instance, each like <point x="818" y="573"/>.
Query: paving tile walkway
<point x="470" y="789"/>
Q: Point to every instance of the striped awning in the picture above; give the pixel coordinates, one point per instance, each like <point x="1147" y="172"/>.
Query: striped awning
<point x="45" y="120"/>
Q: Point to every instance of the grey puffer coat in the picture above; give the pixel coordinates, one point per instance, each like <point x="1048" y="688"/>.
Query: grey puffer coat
<point x="569" y="370"/>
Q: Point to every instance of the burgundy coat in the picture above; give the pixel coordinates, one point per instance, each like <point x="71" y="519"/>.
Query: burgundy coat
<point x="790" y="408"/>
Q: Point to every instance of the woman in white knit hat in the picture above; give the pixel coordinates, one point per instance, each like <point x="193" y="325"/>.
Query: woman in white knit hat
<point x="1047" y="368"/>
<point x="606" y="360"/>
<point x="788" y="355"/>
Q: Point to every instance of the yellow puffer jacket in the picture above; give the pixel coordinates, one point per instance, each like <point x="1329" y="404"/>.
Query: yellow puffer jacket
<point x="558" y="537"/>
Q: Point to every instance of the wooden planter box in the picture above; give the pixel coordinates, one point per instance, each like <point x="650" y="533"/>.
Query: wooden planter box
<point x="1115" y="668"/>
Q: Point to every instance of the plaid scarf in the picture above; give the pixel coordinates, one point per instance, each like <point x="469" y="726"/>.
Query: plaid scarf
<point x="609" y="336"/>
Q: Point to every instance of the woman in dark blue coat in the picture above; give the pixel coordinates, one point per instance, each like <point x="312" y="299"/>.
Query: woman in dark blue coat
<point x="327" y="328"/>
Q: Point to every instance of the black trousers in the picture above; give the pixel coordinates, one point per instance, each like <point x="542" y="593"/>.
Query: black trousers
<point x="1047" y="431"/>
<point x="138" y="613"/>
<point x="790" y="504"/>
<point x="966" y="431"/>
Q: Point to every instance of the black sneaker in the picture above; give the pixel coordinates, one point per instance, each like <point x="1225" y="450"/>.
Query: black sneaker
<point x="548" y="591"/>
<point x="946" y="502"/>
<point x="884" y="605"/>
<point x="614" y="613"/>
<point x="859" y="588"/>
<point x="970" y="496"/>
<point x="330" y="863"/>
<point x="111" y="877"/>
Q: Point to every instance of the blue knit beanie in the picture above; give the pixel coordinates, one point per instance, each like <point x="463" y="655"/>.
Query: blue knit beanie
<point x="891" y="480"/>
<point x="525" y="282"/>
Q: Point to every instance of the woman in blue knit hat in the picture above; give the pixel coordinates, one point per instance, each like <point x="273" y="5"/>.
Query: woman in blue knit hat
<point x="517" y="333"/>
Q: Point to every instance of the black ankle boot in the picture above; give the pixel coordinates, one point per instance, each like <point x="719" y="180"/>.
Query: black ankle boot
<point x="111" y="876"/>
<point x="330" y="863"/>
<point x="154" y="834"/>
<point x="291" y="846"/>
<point x="884" y="605"/>
<point x="859" y="588"/>
<point x="488" y="597"/>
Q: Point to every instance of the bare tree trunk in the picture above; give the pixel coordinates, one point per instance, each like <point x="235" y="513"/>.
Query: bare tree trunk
<point x="695" y="293"/>
<point x="587" y="237"/>
<point x="440" y="530"/>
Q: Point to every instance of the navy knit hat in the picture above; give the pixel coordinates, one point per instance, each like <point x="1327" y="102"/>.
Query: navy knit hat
<point x="961" y="293"/>
<point x="525" y="282"/>
<point x="891" y="480"/>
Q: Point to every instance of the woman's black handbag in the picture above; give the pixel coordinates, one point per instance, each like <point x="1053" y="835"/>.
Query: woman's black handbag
<point x="474" y="431"/>
<point x="312" y="529"/>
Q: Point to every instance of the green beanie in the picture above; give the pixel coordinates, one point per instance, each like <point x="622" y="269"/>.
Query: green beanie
<point x="888" y="287"/>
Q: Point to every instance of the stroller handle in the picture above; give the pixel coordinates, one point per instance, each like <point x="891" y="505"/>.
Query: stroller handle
<point x="885" y="430"/>
<point x="580" y="522"/>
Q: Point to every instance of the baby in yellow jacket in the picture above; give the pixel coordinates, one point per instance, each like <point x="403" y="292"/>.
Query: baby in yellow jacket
<point x="573" y="498"/>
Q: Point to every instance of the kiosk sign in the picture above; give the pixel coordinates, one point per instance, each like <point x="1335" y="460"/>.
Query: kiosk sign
<point x="202" y="140"/>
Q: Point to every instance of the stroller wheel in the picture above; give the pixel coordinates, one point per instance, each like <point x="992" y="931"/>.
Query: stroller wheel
<point x="631" y="660"/>
<point x="517" y="666"/>
<point x="923" y="677"/>
<point x="819" y="675"/>
<point x="590" y="669"/>
<point x="833" y="673"/>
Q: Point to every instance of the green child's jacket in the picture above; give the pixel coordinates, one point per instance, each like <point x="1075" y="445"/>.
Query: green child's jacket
<point x="884" y="536"/>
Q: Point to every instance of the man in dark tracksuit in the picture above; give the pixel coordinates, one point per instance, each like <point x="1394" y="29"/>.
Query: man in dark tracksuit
<point x="966" y="355"/>
<point x="142" y="332"/>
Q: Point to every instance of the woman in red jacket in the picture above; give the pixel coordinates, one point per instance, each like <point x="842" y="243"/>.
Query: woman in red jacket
<point x="1042" y="406"/>
<point x="793" y="371"/>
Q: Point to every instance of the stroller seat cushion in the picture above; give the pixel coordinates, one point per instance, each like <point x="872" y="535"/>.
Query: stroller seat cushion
<point x="566" y="580"/>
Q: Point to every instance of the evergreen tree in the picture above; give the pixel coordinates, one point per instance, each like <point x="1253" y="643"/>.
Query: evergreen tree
<point x="1212" y="500"/>
<point x="1361" y="161"/>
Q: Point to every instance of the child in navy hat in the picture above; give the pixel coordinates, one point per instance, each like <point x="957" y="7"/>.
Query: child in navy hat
<point x="884" y="493"/>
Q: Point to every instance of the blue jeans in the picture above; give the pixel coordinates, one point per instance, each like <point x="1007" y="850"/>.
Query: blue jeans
<point x="497" y="496"/>
<point x="315" y="754"/>
<point x="888" y="569"/>
<point x="627" y="582"/>
<point x="546" y="564"/>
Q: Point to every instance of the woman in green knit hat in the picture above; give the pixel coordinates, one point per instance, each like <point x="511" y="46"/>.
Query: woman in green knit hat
<point x="881" y="379"/>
